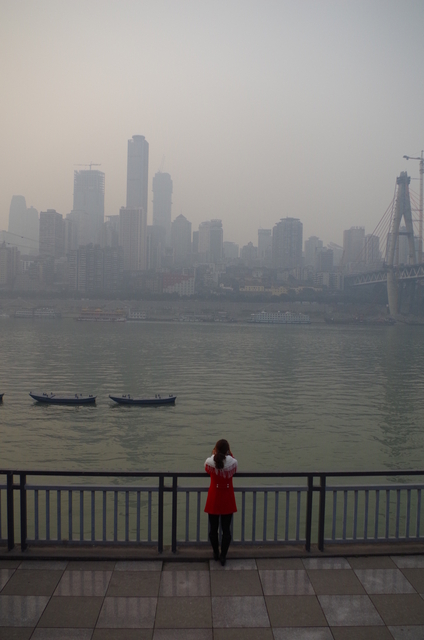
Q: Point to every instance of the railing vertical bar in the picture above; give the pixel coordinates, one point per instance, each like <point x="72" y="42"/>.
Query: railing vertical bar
<point x="23" y="504"/>
<point x="115" y="515"/>
<point x="10" y="512"/>
<point x="344" y="514"/>
<point x="149" y="516"/>
<point x="243" y="514"/>
<point x="397" y="513"/>
<point x="47" y="514"/>
<point x="333" y="527"/>
<point x="174" y="514"/>
<point x="70" y="533"/>
<point x="309" y="500"/>
<point x="104" y="515"/>
<point x="366" y="514"/>
<point x="387" y="533"/>
<point x="93" y="516"/>
<point x="137" y="535"/>
<point x="59" y="514"/>
<point x="355" y="515"/>
<point x="408" y="513"/>
<point x="376" y="515"/>
<point x="36" y="516"/>
<point x="286" y="527"/>
<point x="418" y="513"/>
<point x="276" y="498"/>
<point x="81" y="515"/>
<point x="265" y="515"/>
<point x="298" y="516"/>
<point x="254" y="517"/>
<point x="199" y="495"/>
<point x="187" y="524"/>
<point x="0" y="517"/>
<point x="127" y="516"/>
<point x="160" y="513"/>
<point x="321" y="521"/>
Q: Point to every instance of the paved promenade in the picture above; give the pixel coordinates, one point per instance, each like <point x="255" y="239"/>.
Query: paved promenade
<point x="341" y="598"/>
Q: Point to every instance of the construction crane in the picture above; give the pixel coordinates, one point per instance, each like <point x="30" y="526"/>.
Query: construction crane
<point x="420" y="228"/>
<point x="88" y="164"/>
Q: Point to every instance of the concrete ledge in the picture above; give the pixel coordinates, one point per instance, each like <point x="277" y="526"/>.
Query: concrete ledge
<point x="194" y="553"/>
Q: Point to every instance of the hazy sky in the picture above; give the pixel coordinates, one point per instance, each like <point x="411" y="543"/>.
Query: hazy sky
<point x="262" y="109"/>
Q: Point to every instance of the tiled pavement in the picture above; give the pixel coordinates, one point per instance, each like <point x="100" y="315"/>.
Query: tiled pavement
<point x="349" y="598"/>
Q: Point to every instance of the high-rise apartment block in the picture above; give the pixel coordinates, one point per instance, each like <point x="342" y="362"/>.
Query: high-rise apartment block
<point x="9" y="264"/>
<point x="89" y="205"/>
<point x="23" y="226"/>
<point x="162" y="203"/>
<point x="52" y="234"/>
<point x="287" y="240"/>
<point x="312" y="245"/>
<point x="181" y="240"/>
<point x="265" y="246"/>
<point x="133" y="238"/>
<point x="230" y="251"/>
<point x="353" y="246"/>
<point x="210" y="247"/>
<point x="138" y="173"/>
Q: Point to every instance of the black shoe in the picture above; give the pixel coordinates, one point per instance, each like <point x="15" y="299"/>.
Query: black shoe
<point x="223" y="560"/>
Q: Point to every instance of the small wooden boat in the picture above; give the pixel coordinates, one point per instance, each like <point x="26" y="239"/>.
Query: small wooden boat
<point x="157" y="400"/>
<point x="52" y="398"/>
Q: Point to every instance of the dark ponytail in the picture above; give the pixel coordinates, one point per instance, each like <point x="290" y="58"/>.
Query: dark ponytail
<point x="222" y="448"/>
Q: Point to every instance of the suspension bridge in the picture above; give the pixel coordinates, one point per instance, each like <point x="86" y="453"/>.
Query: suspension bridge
<point x="401" y="272"/>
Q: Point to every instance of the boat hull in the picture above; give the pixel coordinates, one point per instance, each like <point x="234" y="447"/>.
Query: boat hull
<point x="144" y="401"/>
<point x="76" y="399"/>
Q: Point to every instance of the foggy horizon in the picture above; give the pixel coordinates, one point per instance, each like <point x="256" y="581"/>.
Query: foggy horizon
<point x="257" y="111"/>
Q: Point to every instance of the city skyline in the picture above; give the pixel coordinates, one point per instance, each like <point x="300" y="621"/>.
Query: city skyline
<point x="260" y="110"/>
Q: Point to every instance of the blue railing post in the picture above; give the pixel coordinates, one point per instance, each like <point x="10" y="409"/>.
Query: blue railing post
<point x="23" y="501"/>
<point x="309" y="512"/>
<point x="321" y="520"/>
<point x="10" y="512"/>
<point x="174" y="513"/>
<point x="160" y="513"/>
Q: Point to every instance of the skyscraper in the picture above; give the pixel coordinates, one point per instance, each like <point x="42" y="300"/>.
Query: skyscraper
<point x="89" y="205"/>
<point x="210" y="241"/>
<point x="353" y="247"/>
<point x="162" y="203"/>
<point x="287" y="236"/>
<point x="23" y="226"/>
<point x="133" y="238"/>
<point x="52" y="234"/>
<point x="137" y="173"/>
<point x="181" y="240"/>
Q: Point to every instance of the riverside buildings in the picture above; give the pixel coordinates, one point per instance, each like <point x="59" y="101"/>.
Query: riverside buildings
<point x="133" y="238"/>
<point x="162" y="203"/>
<point x="181" y="241"/>
<point x="88" y="210"/>
<point x="138" y="173"/>
<point x="287" y="241"/>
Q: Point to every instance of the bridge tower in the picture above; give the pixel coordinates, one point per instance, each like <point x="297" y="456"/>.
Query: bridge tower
<point x="402" y="210"/>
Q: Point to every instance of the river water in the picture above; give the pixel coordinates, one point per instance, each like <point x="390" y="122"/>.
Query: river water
<point x="293" y="398"/>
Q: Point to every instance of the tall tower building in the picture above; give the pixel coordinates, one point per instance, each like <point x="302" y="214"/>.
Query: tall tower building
<point x="181" y="240"/>
<point x="353" y="246"/>
<point x="137" y="173"/>
<point x="210" y="241"/>
<point x="17" y="213"/>
<point x="312" y="246"/>
<point x="52" y="234"/>
<point x="89" y="205"/>
<point x="287" y="240"/>
<point x="133" y="238"/>
<point x="162" y="203"/>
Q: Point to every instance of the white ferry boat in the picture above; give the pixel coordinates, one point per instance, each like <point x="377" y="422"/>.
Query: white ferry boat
<point x="280" y="318"/>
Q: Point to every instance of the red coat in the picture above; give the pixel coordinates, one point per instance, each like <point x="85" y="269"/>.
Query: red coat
<point x="221" y="500"/>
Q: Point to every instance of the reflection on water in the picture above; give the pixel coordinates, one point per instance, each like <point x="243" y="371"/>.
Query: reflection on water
<point x="288" y="398"/>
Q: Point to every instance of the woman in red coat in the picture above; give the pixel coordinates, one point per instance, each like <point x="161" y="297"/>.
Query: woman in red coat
<point x="220" y="503"/>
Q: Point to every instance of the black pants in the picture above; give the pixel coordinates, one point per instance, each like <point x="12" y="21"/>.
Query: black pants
<point x="226" y="533"/>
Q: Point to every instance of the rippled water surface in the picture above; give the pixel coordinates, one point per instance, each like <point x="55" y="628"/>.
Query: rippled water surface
<point x="288" y="398"/>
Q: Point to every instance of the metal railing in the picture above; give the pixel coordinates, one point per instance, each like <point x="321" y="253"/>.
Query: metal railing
<point x="169" y="510"/>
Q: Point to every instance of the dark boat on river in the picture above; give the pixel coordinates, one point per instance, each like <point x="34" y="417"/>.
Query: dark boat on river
<point x="157" y="400"/>
<point x="52" y="398"/>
